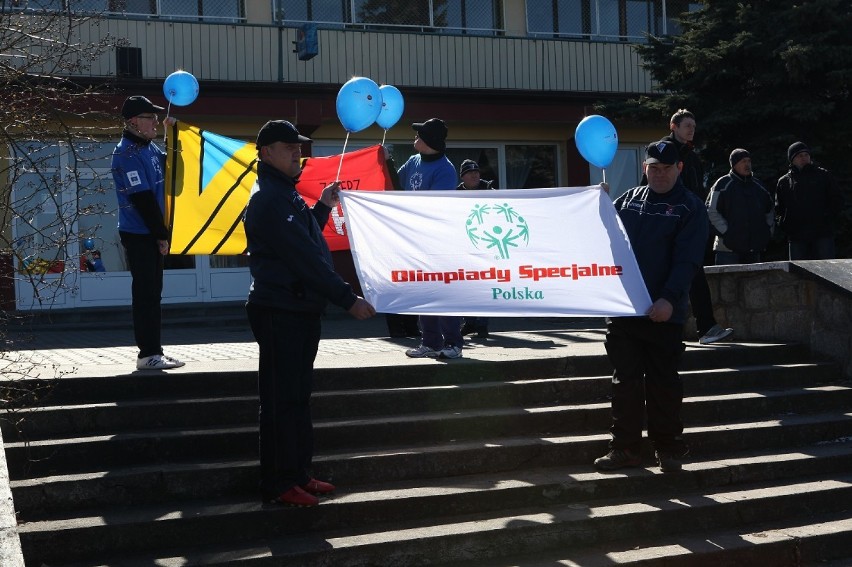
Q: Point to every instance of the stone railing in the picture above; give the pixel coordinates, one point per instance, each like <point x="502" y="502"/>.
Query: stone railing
<point x="808" y="302"/>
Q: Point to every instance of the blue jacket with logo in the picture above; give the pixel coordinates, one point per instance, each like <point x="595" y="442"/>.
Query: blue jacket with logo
<point x="289" y="260"/>
<point x="431" y="172"/>
<point x="138" y="166"/>
<point x="668" y="233"/>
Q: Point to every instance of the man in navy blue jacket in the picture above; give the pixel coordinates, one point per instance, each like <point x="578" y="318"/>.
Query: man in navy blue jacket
<point x="667" y="226"/>
<point x="292" y="279"/>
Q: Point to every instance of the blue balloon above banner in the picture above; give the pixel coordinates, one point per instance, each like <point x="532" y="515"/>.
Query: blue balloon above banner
<point x="392" y="106"/>
<point x="359" y="103"/>
<point x="596" y="140"/>
<point x="181" y="88"/>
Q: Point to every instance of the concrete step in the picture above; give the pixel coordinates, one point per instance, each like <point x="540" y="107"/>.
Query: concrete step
<point x="436" y="464"/>
<point x="188" y="479"/>
<point x="181" y="314"/>
<point x="114" y="417"/>
<point x="235" y="440"/>
<point x="53" y="498"/>
<point x="825" y="540"/>
<point x="527" y="524"/>
<point x="78" y="389"/>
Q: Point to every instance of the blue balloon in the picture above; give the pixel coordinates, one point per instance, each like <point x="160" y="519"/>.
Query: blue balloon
<point x="359" y="103"/>
<point x="597" y="140"/>
<point x="181" y="88"/>
<point x="392" y="106"/>
<point x="89" y="244"/>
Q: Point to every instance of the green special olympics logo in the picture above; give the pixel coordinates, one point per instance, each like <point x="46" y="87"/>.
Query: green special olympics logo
<point x="498" y="227"/>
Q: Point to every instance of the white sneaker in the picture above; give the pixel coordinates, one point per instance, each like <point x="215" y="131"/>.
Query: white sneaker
<point x="158" y="362"/>
<point x="450" y="351"/>
<point x="716" y="333"/>
<point x="422" y="352"/>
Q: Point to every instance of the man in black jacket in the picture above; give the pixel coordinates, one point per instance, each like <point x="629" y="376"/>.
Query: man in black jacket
<point x="667" y="227"/>
<point x="807" y="203"/>
<point x="742" y="213"/>
<point x="682" y="125"/>
<point x="292" y="279"/>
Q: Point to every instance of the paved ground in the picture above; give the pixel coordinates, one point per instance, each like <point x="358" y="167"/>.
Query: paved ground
<point x="346" y="342"/>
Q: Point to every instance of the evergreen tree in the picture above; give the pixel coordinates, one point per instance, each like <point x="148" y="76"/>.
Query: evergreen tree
<point x="759" y="75"/>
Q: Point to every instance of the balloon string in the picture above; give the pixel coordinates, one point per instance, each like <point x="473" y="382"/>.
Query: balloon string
<point x="384" y="135"/>
<point x="339" y="167"/>
<point x="166" y="128"/>
<point x="603" y="171"/>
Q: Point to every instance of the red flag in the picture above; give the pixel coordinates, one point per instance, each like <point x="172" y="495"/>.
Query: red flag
<point x="362" y="170"/>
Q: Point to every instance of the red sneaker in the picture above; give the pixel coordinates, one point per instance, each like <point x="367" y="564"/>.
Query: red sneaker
<point x="296" y="497"/>
<point x="319" y="487"/>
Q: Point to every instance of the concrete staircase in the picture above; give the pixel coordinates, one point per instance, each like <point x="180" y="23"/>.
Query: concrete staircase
<point x="468" y="463"/>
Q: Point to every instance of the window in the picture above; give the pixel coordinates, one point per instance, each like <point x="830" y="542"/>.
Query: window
<point x="625" y="171"/>
<point x="216" y="10"/>
<point x="68" y="198"/>
<point x="621" y="20"/>
<point x="465" y="16"/>
<point x="531" y="166"/>
<point x="510" y="166"/>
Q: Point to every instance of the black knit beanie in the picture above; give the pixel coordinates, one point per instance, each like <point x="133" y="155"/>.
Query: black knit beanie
<point x="796" y="149"/>
<point x="737" y="155"/>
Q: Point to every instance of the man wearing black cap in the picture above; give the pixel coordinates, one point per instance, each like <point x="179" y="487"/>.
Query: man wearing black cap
<point x="667" y="226"/>
<point x="137" y="170"/>
<point x="292" y="280"/>
<point x="741" y="212"/>
<point x="807" y="203"/>
<point x="430" y="170"/>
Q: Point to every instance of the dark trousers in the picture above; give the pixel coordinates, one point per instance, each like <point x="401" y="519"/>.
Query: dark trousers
<point x="646" y="383"/>
<point x="701" y="302"/>
<point x="440" y="331"/>
<point x="817" y="249"/>
<point x="402" y="325"/>
<point x="288" y="345"/>
<point x="146" y="271"/>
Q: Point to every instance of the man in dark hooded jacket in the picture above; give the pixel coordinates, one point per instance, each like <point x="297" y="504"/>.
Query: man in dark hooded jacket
<point x="807" y="204"/>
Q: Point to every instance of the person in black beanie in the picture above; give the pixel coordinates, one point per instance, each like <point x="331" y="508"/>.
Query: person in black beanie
<point x="741" y="212"/>
<point x="471" y="180"/>
<point x="430" y="170"/>
<point x="807" y="205"/>
<point x="471" y="177"/>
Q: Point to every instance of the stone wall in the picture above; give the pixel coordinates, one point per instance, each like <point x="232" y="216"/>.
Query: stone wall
<point x="808" y="302"/>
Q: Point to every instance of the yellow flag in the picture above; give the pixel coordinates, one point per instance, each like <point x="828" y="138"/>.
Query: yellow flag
<point x="208" y="182"/>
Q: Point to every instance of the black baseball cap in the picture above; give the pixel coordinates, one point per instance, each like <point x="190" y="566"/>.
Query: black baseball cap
<point x="136" y="105"/>
<point x="279" y="131"/>
<point x="662" y="152"/>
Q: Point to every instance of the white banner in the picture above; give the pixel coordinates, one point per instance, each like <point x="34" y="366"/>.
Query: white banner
<point x="518" y="252"/>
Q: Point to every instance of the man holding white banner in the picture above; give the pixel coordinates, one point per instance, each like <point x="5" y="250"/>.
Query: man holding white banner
<point x="667" y="225"/>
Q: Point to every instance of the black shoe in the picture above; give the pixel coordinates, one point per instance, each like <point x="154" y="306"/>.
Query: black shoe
<point x="617" y="459"/>
<point x="670" y="462"/>
<point x="468" y="329"/>
<point x="482" y="333"/>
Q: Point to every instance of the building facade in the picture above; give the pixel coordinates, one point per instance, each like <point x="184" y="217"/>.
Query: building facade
<point x="511" y="78"/>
